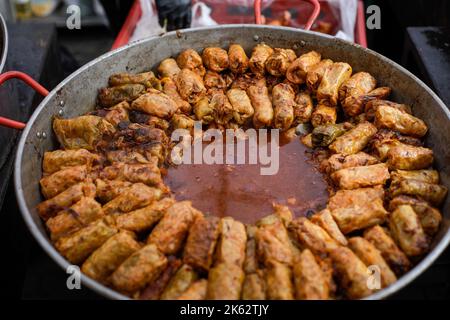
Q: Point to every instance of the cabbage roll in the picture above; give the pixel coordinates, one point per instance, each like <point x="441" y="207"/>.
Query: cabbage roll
<point x="81" y="132"/>
<point x="238" y="59"/>
<point x="155" y="103"/>
<point x="299" y="68"/>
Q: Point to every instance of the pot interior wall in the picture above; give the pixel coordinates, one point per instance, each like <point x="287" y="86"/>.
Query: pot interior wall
<point x="77" y="94"/>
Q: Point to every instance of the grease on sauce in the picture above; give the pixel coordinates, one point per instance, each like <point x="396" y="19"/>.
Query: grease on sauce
<point x="240" y="191"/>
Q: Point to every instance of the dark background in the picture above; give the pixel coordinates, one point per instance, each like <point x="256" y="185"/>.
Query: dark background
<point x="50" y="54"/>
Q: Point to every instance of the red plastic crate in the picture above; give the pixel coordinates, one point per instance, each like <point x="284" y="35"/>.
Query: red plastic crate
<point x="226" y="14"/>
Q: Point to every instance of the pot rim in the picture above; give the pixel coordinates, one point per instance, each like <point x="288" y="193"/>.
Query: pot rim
<point x="110" y="293"/>
<point x="4" y="49"/>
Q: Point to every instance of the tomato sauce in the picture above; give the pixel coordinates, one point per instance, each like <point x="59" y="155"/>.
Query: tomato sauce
<point x="240" y="191"/>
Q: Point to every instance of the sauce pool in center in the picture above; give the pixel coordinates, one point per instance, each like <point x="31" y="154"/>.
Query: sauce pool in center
<point x="240" y="191"/>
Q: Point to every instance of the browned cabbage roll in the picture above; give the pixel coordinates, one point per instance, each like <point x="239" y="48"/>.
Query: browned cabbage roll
<point x="260" y="100"/>
<point x="108" y="97"/>
<point x="325" y="220"/>
<point x="225" y="282"/>
<point x="339" y="161"/>
<point x="168" y="68"/>
<point x="222" y="109"/>
<point x="371" y="107"/>
<point x="154" y="289"/>
<point x="260" y="54"/>
<point x="279" y="285"/>
<point x="65" y="199"/>
<point x="405" y="157"/>
<point x="326" y="264"/>
<point x="315" y="74"/>
<point x="272" y="242"/>
<point x="147" y="79"/>
<point x="180" y="282"/>
<point x="138" y="137"/>
<point x="155" y="103"/>
<point x="147" y="173"/>
<point x="110" y="256"/>
<point x="430" y="218"/>
<point x="433" y="193"/>
<point x="358" y="208"/>
<point x="283" y="100"/>
<point x="379" y="93"/>
<point x="81" y="132"/>
<point x="145" y="218"/>
<point x="215" y="59"/>
<point x="298" y="69"/>
<point x="395" y="119"/>
<point x="201" y="242"/>
<point x="382" y="142"/>
<point x="137" y="196"/>
<point x="310" y="282"/>
<point x="109" y="189"/>
<point x="303" y="107"/>
<point x="429" y="176"/>
<point x="238" y="59"/>
<point x="182" y="121"/>
<point x="278" y="62"/>
<point x="59" y="181"/>
<point x="333" y="78"/>
<point x="141" y="268"/>
<point x="254" y="287"/>
<point x="360" y="177"/>
<point x="242" y="107"/>
<point x="116" y="114"/>
<point x="283" y="213"/>
<point x="204" y="111"/>
<point x="312" y="236"/>
<point x="125" y="156"/>
<point x="251" y="263"/>
<point x="190" y="59"/>
<point x="169" y="87"/>
<point x="231" y="244"/>
<point x="190" y="86"/>
<point x="74" y="218"/>
<point x="214" y="81"/>
<point x="406" y="229"/>
<point x="196" y="291"/>
<point x="351" y="272"/>
<point x="353" y="91"/>
<point x="170" y="233"/>
<point x="370" y="255"/>
<point x="354" y="140"/>
<point x="79" y="245"/>
<point x="323" y="115"/>
<point x="390" y="252"/>
<point x="59" y="159"/>
<point x="244" y="81"/>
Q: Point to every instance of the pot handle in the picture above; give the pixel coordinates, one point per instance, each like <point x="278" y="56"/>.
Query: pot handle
<point x="308" y="24"/>
<point x="28" y="80"/>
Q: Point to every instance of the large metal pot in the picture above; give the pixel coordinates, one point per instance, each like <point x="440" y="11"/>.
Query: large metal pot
<point x="77" y="94"/>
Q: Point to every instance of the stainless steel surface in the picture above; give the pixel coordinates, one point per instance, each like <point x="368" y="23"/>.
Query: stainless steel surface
<point x="79" y="92"/>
